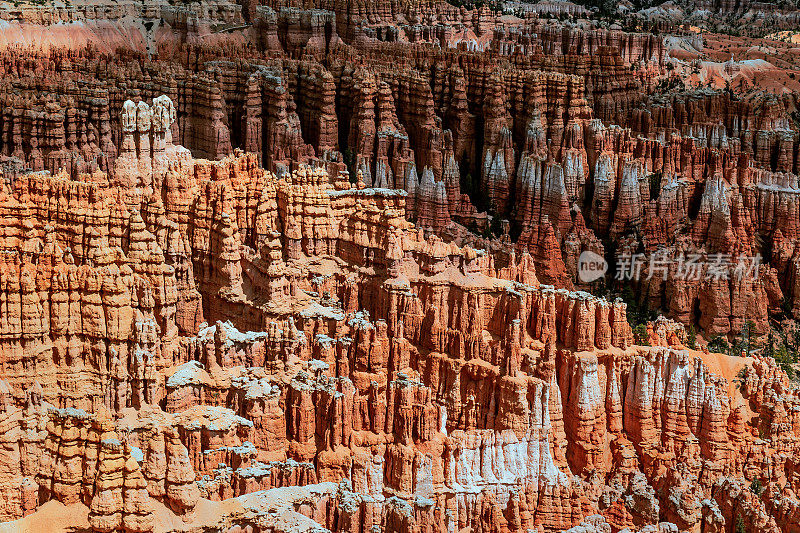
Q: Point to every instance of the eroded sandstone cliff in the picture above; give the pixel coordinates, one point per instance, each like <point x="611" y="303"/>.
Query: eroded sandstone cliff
<point x="313" y="266"/>
<point x="241" y="349"/>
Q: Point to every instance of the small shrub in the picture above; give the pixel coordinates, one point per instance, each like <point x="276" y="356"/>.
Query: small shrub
<point x="691" y="338"/>
<point x="719" y="344"/>
<point x="640" y="334"/>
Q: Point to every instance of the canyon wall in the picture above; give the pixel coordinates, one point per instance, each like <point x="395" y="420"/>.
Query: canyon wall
<point x="194" y="334"/>
<point x="314" y="266"/>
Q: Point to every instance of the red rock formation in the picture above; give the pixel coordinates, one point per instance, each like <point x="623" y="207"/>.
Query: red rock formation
<point x="468" y="383"/>
<point x="177" y="334"/>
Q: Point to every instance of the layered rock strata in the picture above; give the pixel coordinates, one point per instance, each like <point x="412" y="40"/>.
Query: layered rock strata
<point x="229" y="335"/>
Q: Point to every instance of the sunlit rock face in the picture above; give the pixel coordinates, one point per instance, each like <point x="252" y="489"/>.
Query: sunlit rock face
<point x="270" y="268"/>
<point x="210" y="331"/>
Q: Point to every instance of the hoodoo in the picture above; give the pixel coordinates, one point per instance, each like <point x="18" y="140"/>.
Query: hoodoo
<point x="415" y="267"/>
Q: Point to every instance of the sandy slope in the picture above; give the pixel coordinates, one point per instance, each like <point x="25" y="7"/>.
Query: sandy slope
<point x="52" y="517"/>
<point x="107" y="36"/>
